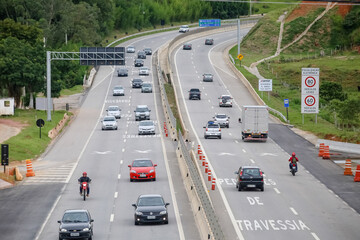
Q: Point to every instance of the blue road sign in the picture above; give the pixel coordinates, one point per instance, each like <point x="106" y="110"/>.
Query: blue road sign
<point x="286" y="103"/>
<point x="209" y="22"/>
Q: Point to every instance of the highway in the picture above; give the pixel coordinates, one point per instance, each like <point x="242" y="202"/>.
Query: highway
<point x="299" y="207"/>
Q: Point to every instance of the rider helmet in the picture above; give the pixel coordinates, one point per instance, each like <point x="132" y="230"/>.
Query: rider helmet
<point x="293" y="154"/>
<point x="84" y="174"/>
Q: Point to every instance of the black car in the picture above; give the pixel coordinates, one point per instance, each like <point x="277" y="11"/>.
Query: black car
<point x="187" y="46"/>
<point x="148" y="51"/>
<point x="137" y="83"/>
<point x="139" y="63"/>
<point x="76" y="224"/>
<point x="141" y="55"/>
<point x="249" y="177"/>
<point x="150" y="208"/>
<point x="122" y="72"/>
<point x="209" y="41"/>
<point x="194" y="93"/>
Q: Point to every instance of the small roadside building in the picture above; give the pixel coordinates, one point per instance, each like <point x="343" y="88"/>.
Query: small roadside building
<point x="6" y="106"/>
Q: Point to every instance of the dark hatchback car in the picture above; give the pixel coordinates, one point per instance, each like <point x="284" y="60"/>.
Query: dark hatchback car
<point x="209" y="41"/>
<point x="208" y="77"/>
<point x="194" y="93"/>
<point x="139" y="63"/>
<point x="187" y="46"/>
<point x="141" y="55"/>
<point x="122" y="72"/>
<point x="148" y="51"/>
<point x="76" y="224"/>
<point x="151" y="208"/>
<point x="137" y="83"/>
<point x="249" y="177"/>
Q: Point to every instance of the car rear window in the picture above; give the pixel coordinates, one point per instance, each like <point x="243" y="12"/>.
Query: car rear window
<point x="252" y="171"/>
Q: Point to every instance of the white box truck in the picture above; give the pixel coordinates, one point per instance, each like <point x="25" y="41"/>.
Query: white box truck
<point x="255" y="123"/>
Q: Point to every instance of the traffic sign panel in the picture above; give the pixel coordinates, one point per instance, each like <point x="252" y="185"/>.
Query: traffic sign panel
<point x="265" y="85"/>
<point x="310" y="104"/>
<point x="240" y="56"/>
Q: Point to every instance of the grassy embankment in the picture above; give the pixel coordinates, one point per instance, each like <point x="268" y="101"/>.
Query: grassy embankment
<point x="285" y="70"/>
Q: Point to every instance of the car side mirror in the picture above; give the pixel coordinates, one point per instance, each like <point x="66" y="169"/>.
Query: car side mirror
<point x="129" y="165"/>
<point x="155" y="165"/>
<point x="204" y="127"/>
<point x="59" y="221"/>
<point x="134" y="205"/>
<point x="92" y="220"/>
<point x="167" y="204"/>
<point x="107" y="110"/>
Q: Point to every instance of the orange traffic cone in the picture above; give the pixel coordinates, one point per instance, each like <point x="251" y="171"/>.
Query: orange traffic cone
<point x="321" y="149"/>
<point x="29" y="169"/>
<point x="357" y="174"/>
<point x="347" y="170"/>
<point x="326" y="154"/>
<point x="199" y="150"/>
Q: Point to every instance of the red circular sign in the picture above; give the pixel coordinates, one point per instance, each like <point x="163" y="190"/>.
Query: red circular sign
<point x="310" y="81"/>
<point x="310" y="101"/>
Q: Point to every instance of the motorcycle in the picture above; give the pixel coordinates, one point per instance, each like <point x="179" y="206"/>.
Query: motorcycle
<point x="293" y="169"/>
<point x="84" y="187"/>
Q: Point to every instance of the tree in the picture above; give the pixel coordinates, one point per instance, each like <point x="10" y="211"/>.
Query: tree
<point x="331" y="90"/>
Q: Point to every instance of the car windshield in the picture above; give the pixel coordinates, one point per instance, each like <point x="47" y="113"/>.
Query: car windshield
<point x="147" y="49"/>
<point x="207" y="75"/>
<point x="137" y="80"/>
<point x="194" y="90"/>
<point x="220" y="116"/>
<point x="142" y="163"/>
<point x="146" y="85"/>
<point x="113" y="108"/>
<point x="123" y="70"/>
<point x="118" y="88"/>
<point x="151" y="201"/>
<point x="75" y="217"/>
<point x="146" y="123"/>
<point x="226" y="97"/>
<point x="142" y="109"/>
<point x="109" y="119"/>
<point x="144" y="68"/>
<point x="251" y="172"/>
<point x="184" y="26"/>
<point x="213" y="126"/>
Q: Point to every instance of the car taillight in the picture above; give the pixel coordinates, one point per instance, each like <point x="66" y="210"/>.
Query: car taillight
<point x="206" y="129"/>
<point x="261" y="173"/>
<point x="241" y="174"/>
<point x="220" y="130"/>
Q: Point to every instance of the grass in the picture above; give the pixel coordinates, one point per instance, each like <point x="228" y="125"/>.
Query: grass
<point x="172" y="102"/>
<point x="285" y="71"/>
<point x="28" y="144"/>
<point x="74" y="90"/>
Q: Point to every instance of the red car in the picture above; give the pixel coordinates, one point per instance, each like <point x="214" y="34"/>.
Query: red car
<point x="142" y="169"/>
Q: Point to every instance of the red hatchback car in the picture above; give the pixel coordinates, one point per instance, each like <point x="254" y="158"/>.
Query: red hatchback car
<point x="142" y="169"/>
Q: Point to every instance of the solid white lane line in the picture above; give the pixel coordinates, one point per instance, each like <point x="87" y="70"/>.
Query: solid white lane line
<point x="111" y="217"/>
<point x="315" y="236"/>
<point x="116" y="195"/>
<point x="293" y="210"/>
<point x="277" y="190"/>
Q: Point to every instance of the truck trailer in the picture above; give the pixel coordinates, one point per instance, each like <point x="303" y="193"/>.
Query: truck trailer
<point x="255" y="123"/>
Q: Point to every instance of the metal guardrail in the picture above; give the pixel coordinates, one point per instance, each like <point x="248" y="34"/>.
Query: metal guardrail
<point x="201" y="192"/>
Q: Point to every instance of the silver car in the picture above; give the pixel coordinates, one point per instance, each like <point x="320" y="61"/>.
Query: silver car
<point x="109" y="122"/>
<point x="118" y="91"/>
<point x="142" y="112"/>
<point x="114" y="111"/>
<point x="146" y="88"/>
<point x="212" y="130"/>
<point x="130" y="49"/>
<point x="225" y="101"/>
<point x="222" y="119"/>
<point x="144" y="71"/>
<point x="147" y="127"/>
<point x="184" y="28"/>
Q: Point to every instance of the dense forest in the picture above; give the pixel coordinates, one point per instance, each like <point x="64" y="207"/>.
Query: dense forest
<point x="30" y="28"/>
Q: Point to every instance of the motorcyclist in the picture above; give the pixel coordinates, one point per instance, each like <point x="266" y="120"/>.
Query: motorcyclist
<point x="293" y="160"/>
<point x="82" y="179"/>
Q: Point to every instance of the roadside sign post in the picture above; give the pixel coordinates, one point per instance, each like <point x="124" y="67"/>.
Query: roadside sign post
<point x="240" y="57"/>
<point x="310" y="91"/>
<point x="286" y="105"/>
<point x="265" y="85"/>
<point x="40" y="123"/>
<point x="4" y="155"/>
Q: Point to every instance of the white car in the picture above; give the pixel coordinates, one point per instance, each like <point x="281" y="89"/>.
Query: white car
<point x="225" y="101"/>
<point x="222" y="119"/>
<point x="144" y="71"/>
<point x="146" y="127"/>
<point x="114" y="111"/>
<point x="212" y="130"/>
<point x="118" y="91"/>
<point x="142" y="112"/>
<point x="184" y="28"/>
<point x="109" y="122"/>
<point x="130" y="49"/>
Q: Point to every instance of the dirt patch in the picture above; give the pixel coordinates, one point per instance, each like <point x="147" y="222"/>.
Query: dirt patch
<point x="303" y="9"/>
<point x="10" y="128"/>
<point x="343" y="10"/>
<point x="12" y="123"/>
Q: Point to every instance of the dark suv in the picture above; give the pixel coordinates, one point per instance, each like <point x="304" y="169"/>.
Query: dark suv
<point x="249" y="177"/>
<point x="139" y="63"/>
<point x="194" y="93"/>
<point x="137" y="83"/>
<point x="76" y="224"/>
<point x="141" y="55"/>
